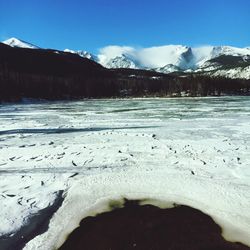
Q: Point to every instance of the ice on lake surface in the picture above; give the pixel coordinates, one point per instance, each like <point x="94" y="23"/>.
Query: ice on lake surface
<point x="193" y="151"/>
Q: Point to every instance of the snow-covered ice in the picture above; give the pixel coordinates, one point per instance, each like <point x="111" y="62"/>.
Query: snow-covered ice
<point x="192" y="151"/>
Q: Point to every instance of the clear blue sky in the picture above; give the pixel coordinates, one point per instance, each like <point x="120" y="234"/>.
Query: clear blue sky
<point x="92" y="24"/>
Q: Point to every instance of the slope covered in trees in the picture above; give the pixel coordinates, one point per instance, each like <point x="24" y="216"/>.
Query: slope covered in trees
<point x="51" y="74"/>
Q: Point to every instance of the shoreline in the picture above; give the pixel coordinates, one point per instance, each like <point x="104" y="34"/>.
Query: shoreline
<point x="42" y="101"/>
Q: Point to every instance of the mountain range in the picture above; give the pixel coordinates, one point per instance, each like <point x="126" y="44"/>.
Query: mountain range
<point x="214" y="61"/>
<point x="29" y="71"/>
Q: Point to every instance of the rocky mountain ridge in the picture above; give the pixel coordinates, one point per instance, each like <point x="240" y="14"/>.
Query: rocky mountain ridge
<point x="226" y="61"/>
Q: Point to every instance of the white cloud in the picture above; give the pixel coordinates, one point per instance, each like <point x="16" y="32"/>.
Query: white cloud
<point x="160" y="56"/>
<point x="202" y="51"/>
<point x="109" y="52"/>
<point x="151" y="57"/>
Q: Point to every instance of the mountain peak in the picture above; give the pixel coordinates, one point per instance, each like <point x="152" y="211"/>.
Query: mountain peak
<point x="121" y="62"/>
<point x="82" y="53"/>
<point x="169" y="68"/>
<point x="15" y="42"/>
<point x="229" y="50"/>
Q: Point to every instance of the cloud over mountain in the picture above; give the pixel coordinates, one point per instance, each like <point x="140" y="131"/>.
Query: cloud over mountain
<point x="180" y="56"/>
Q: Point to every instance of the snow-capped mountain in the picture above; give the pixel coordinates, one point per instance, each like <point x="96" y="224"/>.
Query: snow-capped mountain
<point x="147" y="58"/>
<point x="169" y="68"/>
<point x="184" y="59"/>
<point x="14" y="42"/>
<point x="204" y="54"/>
<point x="121" y="62"/>
<point x="231" y="66"/>
<point x="170" y="58"/>
<point x="82" y="53"/>
<point x="158" y="57"/>
<point x="229" y="51"/>
<point x="227" y="60"/>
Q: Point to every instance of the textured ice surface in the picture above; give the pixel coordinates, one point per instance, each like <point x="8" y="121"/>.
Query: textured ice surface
<point x="193" y="151"/>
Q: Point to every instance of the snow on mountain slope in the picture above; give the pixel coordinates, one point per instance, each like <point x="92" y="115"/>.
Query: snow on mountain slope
<point x="170" y="58"/>
<point x="115" y="53"/>
<point x="169" y="68"/>
<point x="14" y="42"/>
<point x="233" y="73"/>
<point x="165" y="59"/>
<point x="82" y="53"/>
<point x="153" y="57"/>
<point x="230" y="66"/>
<point x="229" y="50"/>
<point x="121" y="62"/>
<point x="206" y="53"/>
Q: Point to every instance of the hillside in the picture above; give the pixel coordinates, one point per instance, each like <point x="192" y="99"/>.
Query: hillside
<point x="52" y="74"/>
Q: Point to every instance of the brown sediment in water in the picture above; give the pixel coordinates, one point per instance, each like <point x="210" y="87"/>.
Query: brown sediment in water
<point x="147" y="227"/>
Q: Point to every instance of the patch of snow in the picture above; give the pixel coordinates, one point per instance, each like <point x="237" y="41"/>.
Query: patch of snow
<point x="169" y="68"/>
<point x="155" y="77"/>
<point x="209" y="66"/>
<point x="240" y="73"/>
<point x="82" y="53"/>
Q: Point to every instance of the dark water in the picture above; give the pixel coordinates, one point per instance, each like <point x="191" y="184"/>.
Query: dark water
<point x="148" y="227"/>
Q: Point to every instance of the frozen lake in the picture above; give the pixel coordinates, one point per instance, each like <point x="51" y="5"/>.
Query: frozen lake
<point x="192" y="151"/>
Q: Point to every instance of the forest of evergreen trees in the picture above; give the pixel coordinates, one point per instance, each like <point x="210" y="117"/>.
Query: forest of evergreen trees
<point x="49" y="74"/>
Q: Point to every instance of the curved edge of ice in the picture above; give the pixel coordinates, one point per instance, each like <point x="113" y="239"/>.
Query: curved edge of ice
<point x="92" y="195"/>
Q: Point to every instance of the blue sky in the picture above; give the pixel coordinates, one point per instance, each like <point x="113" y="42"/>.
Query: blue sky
<point x="93" y="24"/>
